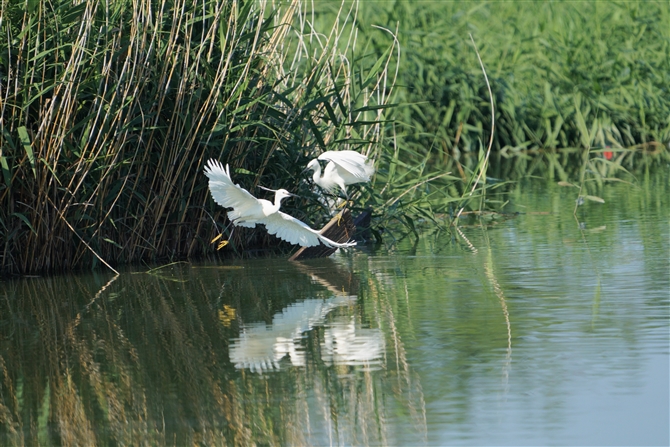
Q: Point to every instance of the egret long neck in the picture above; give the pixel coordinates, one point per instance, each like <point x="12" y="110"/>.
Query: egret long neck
<point x="317" y="174"/>
<point x="277" y="204"/>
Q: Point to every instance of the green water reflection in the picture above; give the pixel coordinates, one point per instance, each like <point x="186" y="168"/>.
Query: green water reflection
<point x="543" y="328"/>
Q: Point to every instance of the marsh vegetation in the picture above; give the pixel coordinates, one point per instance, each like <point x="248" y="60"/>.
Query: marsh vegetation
<point x="536" y="331"/>
<point x="110" y="110"/>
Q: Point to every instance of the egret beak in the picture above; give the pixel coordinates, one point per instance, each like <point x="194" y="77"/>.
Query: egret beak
<point x="274" y="190"/>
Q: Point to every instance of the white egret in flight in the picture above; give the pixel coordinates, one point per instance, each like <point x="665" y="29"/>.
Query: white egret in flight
<point x="247" y="210"/>
<point x="343" y="168"/>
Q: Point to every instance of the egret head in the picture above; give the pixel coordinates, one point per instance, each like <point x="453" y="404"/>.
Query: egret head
<point x="278" y="192"/>
<point x="313" y="165"/>
<point x="282" y="194"/>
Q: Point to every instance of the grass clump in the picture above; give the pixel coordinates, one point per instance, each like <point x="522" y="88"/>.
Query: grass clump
<point x="564" y="75"/>
<point x="580" y="94"/>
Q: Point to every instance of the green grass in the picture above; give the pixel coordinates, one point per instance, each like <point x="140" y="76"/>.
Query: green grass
<point x="110" y="110"/>
<point x="564" y="74"/>
<point x="570" y="81"/>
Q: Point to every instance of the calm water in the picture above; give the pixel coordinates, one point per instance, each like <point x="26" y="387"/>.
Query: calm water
<point x="545" y="328"/>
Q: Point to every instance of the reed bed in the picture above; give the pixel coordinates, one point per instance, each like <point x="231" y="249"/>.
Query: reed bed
<point x="580" y="94"/>
<point x="563" y="74"/>
<point x="110" y="109"/>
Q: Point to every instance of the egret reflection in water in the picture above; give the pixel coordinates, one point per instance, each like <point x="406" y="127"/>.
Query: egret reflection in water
<point x="347" y="344"/>
<point x="261" y="347"/>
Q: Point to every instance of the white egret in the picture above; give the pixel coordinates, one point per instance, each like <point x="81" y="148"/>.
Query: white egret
<point x="247" y="211"/>
<point x="343" y="168"/>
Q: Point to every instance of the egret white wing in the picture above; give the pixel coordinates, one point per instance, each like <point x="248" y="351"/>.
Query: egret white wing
<point x="356" y="164"/>
<point x="291" y="230"/>
<point x="331" y="243"/>
<point x="295" y="231"/>
<point x="227" y="194"/>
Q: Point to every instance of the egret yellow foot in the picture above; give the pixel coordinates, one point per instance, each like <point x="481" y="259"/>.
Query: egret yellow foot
<point x="339" y="219"/>
<point x="222" y="243"/>
<point x="346" y="203"/>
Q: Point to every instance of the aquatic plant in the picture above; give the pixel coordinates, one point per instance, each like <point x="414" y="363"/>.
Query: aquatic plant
<point x="578" y="90"/>
<point x="556" y="70"/>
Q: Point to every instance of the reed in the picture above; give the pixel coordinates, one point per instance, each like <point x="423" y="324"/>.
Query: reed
<point x="560" y="72"/>
<point x="109" y="111"/>
<point x="580" y="96"/>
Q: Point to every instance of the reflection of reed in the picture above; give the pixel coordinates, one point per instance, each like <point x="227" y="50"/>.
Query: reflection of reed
<point x="41" y="384"/>
<point x="408" y="389"/>
<point x="493" y="281"/>
<point x="330" y="275"/>
<point x="145" y="360"/>
<point x="124" y="370"/>
<point x="490" y="275"/>
<point x="469" y="244"/>
<point x="489" y="272"/>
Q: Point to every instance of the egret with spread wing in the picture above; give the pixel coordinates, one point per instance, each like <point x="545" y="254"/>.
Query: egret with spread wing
<point x="343" y="168"/>
<point x="247" y="210"/>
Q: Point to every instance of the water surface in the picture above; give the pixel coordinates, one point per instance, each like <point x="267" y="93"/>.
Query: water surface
<point x="545" y="327"/>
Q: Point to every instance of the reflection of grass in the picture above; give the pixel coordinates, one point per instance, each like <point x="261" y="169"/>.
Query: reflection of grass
<point x="387" y="303"/>
<point x="152" y="366"/>
<point x="98" y="378"/>
<point x="157" y="271"/>
<point x="483" y="301"/>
